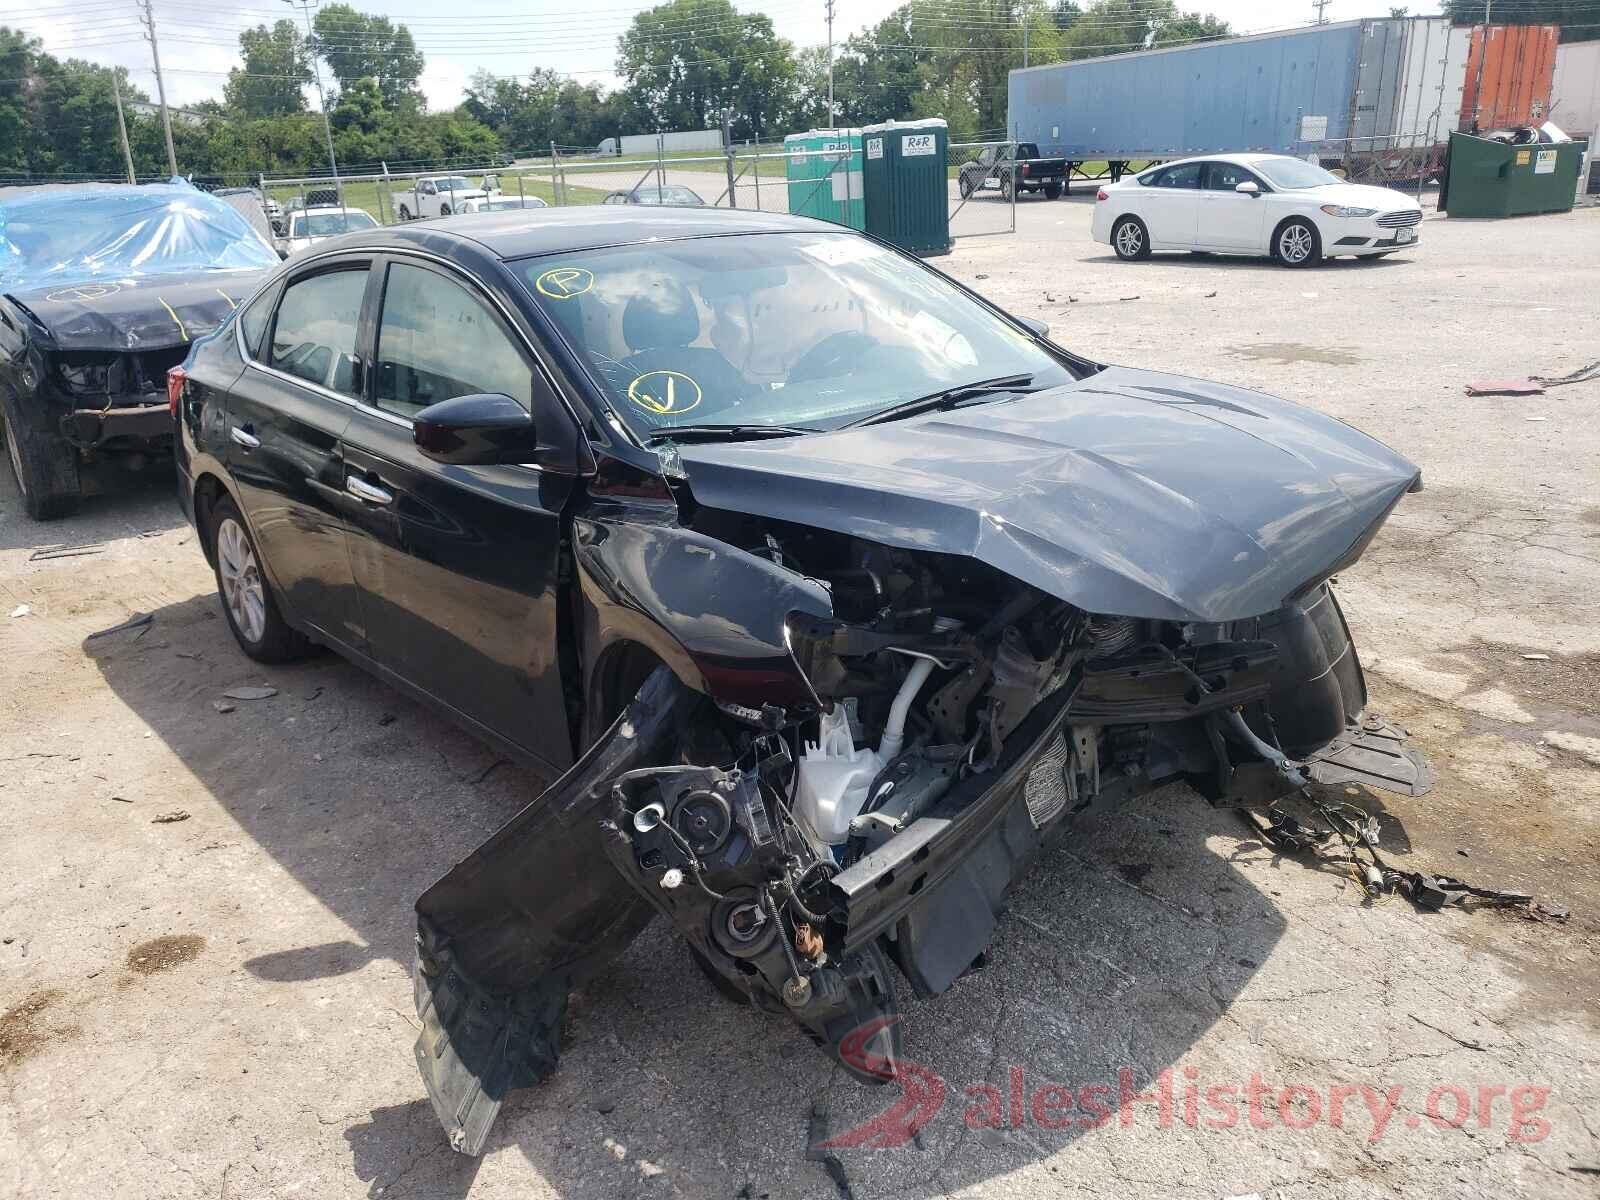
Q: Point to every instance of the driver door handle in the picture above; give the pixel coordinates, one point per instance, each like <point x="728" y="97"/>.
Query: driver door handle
<point x="241" y="434"/>
<point x="369" y="492"/>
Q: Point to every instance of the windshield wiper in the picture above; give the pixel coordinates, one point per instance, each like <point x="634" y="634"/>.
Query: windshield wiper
<point x="950" y="397"/>
<point x="724" y="433"/>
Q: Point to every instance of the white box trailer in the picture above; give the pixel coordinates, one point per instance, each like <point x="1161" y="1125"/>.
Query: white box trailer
<point x="708" y="140"/>
<point x="1575" y="95"/>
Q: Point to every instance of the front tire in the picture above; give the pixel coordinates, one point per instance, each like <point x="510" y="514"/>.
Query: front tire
<point x="444" y="210"/>
<point x="1130" y="239"/>
<point x="1008" y="188"/>
<point x="1296" y="243"/>
<point x="247" y="601"/>
<point x="405" y="213"/>
<point x="45" y="466"/>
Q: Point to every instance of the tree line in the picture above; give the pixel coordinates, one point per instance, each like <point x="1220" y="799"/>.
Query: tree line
<point x="684" y="64"/>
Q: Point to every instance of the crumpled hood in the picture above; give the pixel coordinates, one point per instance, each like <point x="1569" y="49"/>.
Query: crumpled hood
<point x="1130" y="492"/>
<point x="138" y="314"/>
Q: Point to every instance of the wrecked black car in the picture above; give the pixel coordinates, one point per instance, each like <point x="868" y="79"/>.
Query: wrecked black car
<point x="102" y="289"/>
<point x="829" y="590"/>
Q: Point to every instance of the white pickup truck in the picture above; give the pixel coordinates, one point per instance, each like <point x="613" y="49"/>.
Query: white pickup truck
<point x="439" y="196"/>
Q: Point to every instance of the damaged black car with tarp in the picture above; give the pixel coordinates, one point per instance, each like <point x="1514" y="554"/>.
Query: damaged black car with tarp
<point x="102" y="289"/>
<point x="833" y="590"/>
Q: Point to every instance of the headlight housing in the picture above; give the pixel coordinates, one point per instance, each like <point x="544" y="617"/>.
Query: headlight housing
<point x="1344" y="210"/>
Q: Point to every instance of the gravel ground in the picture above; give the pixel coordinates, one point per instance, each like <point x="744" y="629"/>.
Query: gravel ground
<point x="205" y="916"/>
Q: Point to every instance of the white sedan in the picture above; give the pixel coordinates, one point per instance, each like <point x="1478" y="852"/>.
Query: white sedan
<point x="1285" y="208"/>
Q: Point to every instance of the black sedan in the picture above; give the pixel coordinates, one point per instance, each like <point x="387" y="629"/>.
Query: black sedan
<point x="828" y="589"/>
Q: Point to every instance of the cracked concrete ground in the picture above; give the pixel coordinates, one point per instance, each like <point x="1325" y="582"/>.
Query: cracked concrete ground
<point x="268" y="1052"/>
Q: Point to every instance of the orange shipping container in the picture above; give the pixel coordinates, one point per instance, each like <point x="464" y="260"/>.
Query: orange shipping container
<point x="1510" y="67"/>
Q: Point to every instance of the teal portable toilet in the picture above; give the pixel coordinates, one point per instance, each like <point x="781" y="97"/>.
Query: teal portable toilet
<point x="826" y="182"/>
<point x="907" y="184"/>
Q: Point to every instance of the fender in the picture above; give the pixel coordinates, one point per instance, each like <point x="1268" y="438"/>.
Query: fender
<point x="711" y="612"/>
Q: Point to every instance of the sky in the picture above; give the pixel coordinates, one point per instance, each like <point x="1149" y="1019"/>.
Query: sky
<point x="199" y="38"/>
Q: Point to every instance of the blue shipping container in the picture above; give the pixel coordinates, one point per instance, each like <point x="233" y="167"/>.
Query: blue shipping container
<point x="1279" y="92"/>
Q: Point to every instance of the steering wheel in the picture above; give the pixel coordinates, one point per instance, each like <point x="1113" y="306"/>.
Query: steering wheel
<point x="831" y="356"/>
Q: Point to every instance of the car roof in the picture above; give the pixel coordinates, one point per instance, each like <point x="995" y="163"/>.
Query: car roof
<point x="1243" y="159"/>
<point x="511" y="234"/>
<point x="333" y="208"/>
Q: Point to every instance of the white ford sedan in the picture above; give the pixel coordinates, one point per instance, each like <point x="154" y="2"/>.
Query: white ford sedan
<point x="1285" y="208"/>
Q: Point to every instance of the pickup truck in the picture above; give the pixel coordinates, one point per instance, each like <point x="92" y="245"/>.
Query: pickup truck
<point x="439" y="196"/>
<point x="996" y="167"/>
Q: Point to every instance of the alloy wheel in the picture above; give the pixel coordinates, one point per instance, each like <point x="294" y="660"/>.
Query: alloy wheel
<point x="1129" y="240"/>
<point x="240" y="575"/>
<point x="1294" y="244"/>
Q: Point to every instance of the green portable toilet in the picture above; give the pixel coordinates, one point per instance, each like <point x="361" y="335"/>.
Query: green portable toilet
<point x="1485" y="178"/>
<point x="907" y="184"/>
<point x="824" y="173"/>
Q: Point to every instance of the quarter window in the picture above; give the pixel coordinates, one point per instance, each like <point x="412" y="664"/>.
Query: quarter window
<point x="253" y="325"/>
<point x="315" y="335"/>
<point x="438" y="341"/>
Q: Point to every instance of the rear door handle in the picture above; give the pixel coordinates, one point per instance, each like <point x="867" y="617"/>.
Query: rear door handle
<point x="363" y="490"/>
<point x="242" y="435"/>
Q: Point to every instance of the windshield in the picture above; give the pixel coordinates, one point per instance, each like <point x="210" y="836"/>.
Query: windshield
<point x="453" y="183"/>
<point x="517" y="202"/>
<point x="1291" y="174"/>
<point x="317" y="225"/>
<point x="797" y="329"/>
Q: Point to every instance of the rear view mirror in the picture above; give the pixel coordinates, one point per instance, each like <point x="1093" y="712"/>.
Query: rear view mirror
<point x="1249" y="188"/>
<point x="477" y="430"/>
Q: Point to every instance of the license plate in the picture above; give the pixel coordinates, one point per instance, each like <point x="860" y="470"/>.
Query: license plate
<point x="1405" y="235"/>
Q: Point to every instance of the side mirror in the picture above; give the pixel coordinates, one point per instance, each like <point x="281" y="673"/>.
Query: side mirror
<point x="1039" y="328"/>
<point x="281" y="245"/>
<point x="1249" y="188"/>
<point x="477" y="430"/>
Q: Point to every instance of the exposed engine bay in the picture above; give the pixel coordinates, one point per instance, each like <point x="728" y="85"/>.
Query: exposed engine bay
<point x="956" y="718"/>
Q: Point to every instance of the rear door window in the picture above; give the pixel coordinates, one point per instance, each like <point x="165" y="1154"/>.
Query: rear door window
<point x="436" y="341"/>
<point x="1184" y="175"/>
<point x="314" y="337"/>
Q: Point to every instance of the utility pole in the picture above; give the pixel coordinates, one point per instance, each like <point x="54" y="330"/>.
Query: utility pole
<point x="832" y="120"/>
<point x="1024" y="37"/>
<point x="306" y="6"/>
<point x="161" y="87"/>
<point x="1320" y="6"/>
<point x="122" y="125"/>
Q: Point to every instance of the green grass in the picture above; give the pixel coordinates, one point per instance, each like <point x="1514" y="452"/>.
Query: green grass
<point x="364" y="194"/>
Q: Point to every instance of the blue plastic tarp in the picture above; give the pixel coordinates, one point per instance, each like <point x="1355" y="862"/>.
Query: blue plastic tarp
<point x="54" y="236"/>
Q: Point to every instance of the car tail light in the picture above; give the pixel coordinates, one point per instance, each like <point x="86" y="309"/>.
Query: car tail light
<point x="1102" y="194"/>
<point x="1024" y="168"/>
<point x="176" y="378"/>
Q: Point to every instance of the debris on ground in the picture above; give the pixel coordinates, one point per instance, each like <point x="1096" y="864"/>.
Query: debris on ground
<point x="223" y="706"/>
<point x="21" y="610"/>
<point x="164" y="953"/>
<point x="170" y="818"/>
<point x="250" y="693"/>
<point x="47" y="553"/>
<point x="1537" y="657"/>
<point x="1533" y="385"/>
<point x="139" y="621"/>
<point x="122" y="800"/>
<point x="1357" y="830"/>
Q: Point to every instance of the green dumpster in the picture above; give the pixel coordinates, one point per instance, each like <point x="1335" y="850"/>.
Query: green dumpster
<point x="907" y="185"/>
<point x="824" y="173"/>
<point x="1491" y="179"/>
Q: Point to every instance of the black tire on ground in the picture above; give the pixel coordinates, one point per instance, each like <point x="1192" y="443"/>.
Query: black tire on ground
<point x="965" y="184"/>
<point x="1006" y="187"/>
<point x="45" y="466"/>
<point x="1130" y="239"/>
<point x="1052" y="191"/>
<point x="444" y="210"/>
<point x="405" y="213"/>
<point x="1296" y="243"/>
<point x="276" y="641"/>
